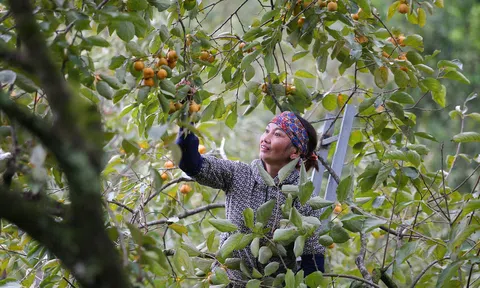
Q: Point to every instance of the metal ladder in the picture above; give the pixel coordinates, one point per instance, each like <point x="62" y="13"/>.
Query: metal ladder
<point x="340" y="152"/>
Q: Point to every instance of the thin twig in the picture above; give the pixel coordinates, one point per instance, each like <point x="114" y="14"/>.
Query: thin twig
<point x="351" y="277"/>
<point x="228" y="19"/>
<point x="419" y="276"/>
<point x="187" y="213"/>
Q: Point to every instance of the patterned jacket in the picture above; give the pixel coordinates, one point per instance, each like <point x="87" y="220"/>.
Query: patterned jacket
<point x="244" y="187"/>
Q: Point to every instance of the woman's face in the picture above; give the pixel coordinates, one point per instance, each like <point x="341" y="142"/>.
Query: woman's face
<point x="275" y="146"/>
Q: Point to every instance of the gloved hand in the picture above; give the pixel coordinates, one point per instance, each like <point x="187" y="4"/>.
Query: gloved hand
<point x="191" y="161"/>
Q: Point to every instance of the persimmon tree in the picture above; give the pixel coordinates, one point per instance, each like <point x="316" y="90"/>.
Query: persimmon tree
<point x="93" y="94"/>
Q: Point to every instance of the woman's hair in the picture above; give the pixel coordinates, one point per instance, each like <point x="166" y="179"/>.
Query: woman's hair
<point x="312" y="144"/>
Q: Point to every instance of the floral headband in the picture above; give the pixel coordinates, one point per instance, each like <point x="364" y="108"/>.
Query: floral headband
<point x="292" y="126"/>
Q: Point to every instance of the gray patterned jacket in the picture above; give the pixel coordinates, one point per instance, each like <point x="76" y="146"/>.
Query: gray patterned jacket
<point x="244" y="187"/>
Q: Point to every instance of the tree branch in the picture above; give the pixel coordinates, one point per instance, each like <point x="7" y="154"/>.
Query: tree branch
<point x="187" y="213"/>
<point x="68" y="111"/>
<point x="419" y="276"/>
<point x="360" y="260"/>
<point x="15" y="59"/>
<point x="351" y="277"/>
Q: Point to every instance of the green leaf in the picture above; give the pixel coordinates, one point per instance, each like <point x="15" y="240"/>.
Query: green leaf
<point x="305" y="192"/>
<point x="221" y="276"/>
<point x="440" y="96"/>
<point x="287" y="170"/>
<point x="382" y="175"/>
<point x="457" y="76"/>
<point x="271" y="268"/>
<point x="425" y="68"/>
<point x="246" y="240"/>
<point x="161" y="5"/>
<point x="295" y="217"/>
<point x="112" y="81"/>
<point x="402" y="98"/>
<point x="472" y="205"/>
<point x="116" y="62"/>
<point x="407" y="250"/>
<point x="247" y="60"/>
<point x="290" y="279"/>
<point x="422" y="17"/>
<point x="475" y="116"/>
<point x="137" y="235"/>
<point x="301" y="88"/>
<point x="401" y="78"/>
<point x="135" y="49"/>
<point x="286" y="235"/>
<point x="299" y="245"/>
<point x="325" y="240"/>
<point x="229" y="245"/>
<point x="315" y="279"/>
<point x="381" y="76"/>
<point x="449" y="64"/>
<point x="253" y="283"/>
<point x="371" y="223"/>
<point x="318" y="203"/>
<point x="414" y="158"/>
<point x="392" y="9"/>
<point x="395" y="155"/>
<point x="264" y="174"/>
<point x="329" y="102"/>
<point x="338" y="234"/>
<point x="137" y="5"/>
<point x="98" y="41"/>
<point x="304" y="74"/>
<point x="269" y="62"/>
<point x="104" y="89"/>
<point x="447" y="274"/>
<point x="167" y="86"/>
<point x="426" y="136"/>
<point x="367" y="103"/>
<point x="129" y="147"/>
<point x="142" y="93"/>
<point x="415" y="41"/>
<point x="265" y="211"/>
<point x="255" y="247"/>
<point x="466" y="137"/>
<point x="353" y="222"/>
<point x="125" y="30"/>
<point x="432" y="84"/>
<point x="344" y="189"/>
<point x="248" y="217"/>
<point x="223" y="225"/>
<point x="89" y="94"/>
<point x="299" y="55"/>
<point x="264" y="254"/>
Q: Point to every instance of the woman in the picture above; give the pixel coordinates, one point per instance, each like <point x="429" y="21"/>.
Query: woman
<point x="287" y="137"/>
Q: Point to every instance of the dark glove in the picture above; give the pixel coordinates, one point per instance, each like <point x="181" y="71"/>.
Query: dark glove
<point x="191" y="161"/>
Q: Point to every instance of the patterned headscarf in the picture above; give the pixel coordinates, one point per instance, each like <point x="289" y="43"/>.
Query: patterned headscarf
<point x="292" y="126"/>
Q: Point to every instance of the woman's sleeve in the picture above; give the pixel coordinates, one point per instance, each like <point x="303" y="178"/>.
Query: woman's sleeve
<point x="206" y="170"/>
<point x="216" y="173"/>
